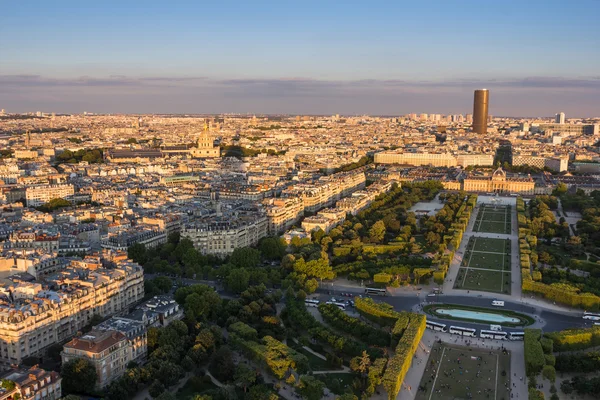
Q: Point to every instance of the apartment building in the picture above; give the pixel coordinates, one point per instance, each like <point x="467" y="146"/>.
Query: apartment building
<point x="282" y="213"/>
<point x="221" y="237"/>
<point x="558" y="164"/>
<point x="108" y="351"/>
<point x="122" y="240"/>
<point x="57" y="311"/>
<point x="38" y="195"/>
<point x="33" y="383"/>
<point x="134" y="331"/>
<point x="416" y="159"/>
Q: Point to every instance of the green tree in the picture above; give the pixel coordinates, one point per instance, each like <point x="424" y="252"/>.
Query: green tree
<point x="238" y="280"/>
<point x="245" y="257"/>
<point x="222" y="365"/>
<point x="272" y="248"/>
<point x="560" y="189"/>
<point x="310" y="388"/>
<point x="137" y="253"/>
<point x="78" y="376"/>
<point x="244" y="376"/>
<point x="377" y="232"/>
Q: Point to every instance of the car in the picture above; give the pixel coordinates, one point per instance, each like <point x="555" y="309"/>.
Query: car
<point x="431" y="295"/>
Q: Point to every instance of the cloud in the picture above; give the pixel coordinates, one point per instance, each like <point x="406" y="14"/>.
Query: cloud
<point x="534" y="95"/>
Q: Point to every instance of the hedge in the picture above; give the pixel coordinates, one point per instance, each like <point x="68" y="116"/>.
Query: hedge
<point x="242" y="330"/>
<point x="399" y="364"/>
<point x="353" y="326"/>
<point x="534" y="355"/>
<point x="547" y="345"/>
<point x="276" y="356"/>
<point x="561" y="293"/>
<point x="382" y="277"/>
<point x="381" y="313"/>
<point x="575" y="339"/>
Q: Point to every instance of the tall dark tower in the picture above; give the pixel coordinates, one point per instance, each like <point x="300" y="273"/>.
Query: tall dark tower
<point x="480" y="111"/>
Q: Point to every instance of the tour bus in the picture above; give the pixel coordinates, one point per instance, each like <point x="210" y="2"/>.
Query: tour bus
<point x="341" y="306"/>
<point x="493" y="335"/>
<point x="376" y="291"/>
<point x="516" y="335"/>
<point x="498" y="303"/>
<point x="495" y="328"/>
<point x="458" y="330"/>
<point x="435" y="326"/>
<point x="592" y="316"/>
<point x="312" y="303"/>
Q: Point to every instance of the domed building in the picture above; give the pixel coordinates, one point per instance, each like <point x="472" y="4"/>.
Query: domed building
<point x="206" y="146"/>
<point x="498" y="182"/>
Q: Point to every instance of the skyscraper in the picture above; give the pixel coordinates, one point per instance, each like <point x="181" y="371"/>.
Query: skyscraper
<point x="560" y="118"/>
<point x="480" y="111"/>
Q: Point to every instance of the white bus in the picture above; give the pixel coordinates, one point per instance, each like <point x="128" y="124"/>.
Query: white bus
<point x="435" y="326"/>
<point x="498" y="303"/>
<point x="495" y="328"/>
<point x="458" y="330"/>
<point x="516" y="335"/>
<point x="312" y="303"/>
<point x="493" y="335"/>
<point x="376" y="291"/>
<point x="341" y="306"/>
<point x="592" y="316"/>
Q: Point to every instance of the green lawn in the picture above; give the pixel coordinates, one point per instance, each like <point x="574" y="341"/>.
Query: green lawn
<point x="493" y="219"/>
<point x="338" y="383"/>
<point x="482" y="280"/>
<point x="316" y="363"/>
<point x="487" y="261"/>
<point x="489" y="244"/>
<point x="455" y="372"/>
<point x="195" y="385"/>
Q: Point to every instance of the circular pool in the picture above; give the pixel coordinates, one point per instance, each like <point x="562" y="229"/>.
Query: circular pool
<point x="476" y="315"/>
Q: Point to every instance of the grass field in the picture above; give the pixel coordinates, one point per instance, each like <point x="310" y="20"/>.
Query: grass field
<point x="493" y="219"/>
<point x="455" y="372"/>
<point x="485" y="266"/>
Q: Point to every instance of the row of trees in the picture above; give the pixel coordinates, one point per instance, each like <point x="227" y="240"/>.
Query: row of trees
<point x="92" y="156"/>
<point x="578" y="362"/>
<point x="575" y="339"/>
<point x="343" y="322"/>
<point x="541" y="281"/>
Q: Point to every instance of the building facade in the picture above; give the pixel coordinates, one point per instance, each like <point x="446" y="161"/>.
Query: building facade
<point x="108" y="351"/>
<point x="498" y="183"/>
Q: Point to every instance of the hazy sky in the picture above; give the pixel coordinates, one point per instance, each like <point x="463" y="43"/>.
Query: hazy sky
<point x="319" y="57"/>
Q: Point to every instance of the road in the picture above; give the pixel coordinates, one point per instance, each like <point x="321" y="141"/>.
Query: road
<point x="550" y="320"/>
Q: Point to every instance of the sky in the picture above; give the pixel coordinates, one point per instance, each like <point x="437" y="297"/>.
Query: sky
<point x="300" y="57"/>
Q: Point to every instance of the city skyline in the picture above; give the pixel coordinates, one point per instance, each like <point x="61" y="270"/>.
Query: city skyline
<point x="266" y="57"/>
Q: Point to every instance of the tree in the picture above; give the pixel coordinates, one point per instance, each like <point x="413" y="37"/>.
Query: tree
<point x="310" y="388"/>
<point x="137" y="253"/>
<point x="347" y="396"/>
<point x="238" y="280"/>
<point x="245" y="257"/>
<point x="377" y="232"/>
<point x="222" y="365"/>
<point x="261" y="392"/>
<point x="560" y="189"/>
<point x="163" y="283"/>
<point x="166" y="396"/>
<point x="272" y="248"/>
<point x="156" y="388"/>
<point x="244" y="376"/>
<point x="78" y="376"/>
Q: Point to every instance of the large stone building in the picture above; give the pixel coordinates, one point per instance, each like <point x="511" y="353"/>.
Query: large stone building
<point x="416" y="159"/>
<point x="38" y="195"/>
<point x="206" y="146"/>
<point x="221" y="238"/>
<point x="108" y="351"/>
<point x="498" y="182"/>
<point x="42" y="316"/>
<point x="31" y="384"/>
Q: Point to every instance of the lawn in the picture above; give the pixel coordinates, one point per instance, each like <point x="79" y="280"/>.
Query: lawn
<point x="493" y="219"/>
<point x="489" y="245"/>
<point x="487" y="261"/>
<point x="338" y="383"/>
<point x="316" y="363"/>
<point x="483" y="280"/>
<point x="195" y="385"/>
<point x="455" y="372"/>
